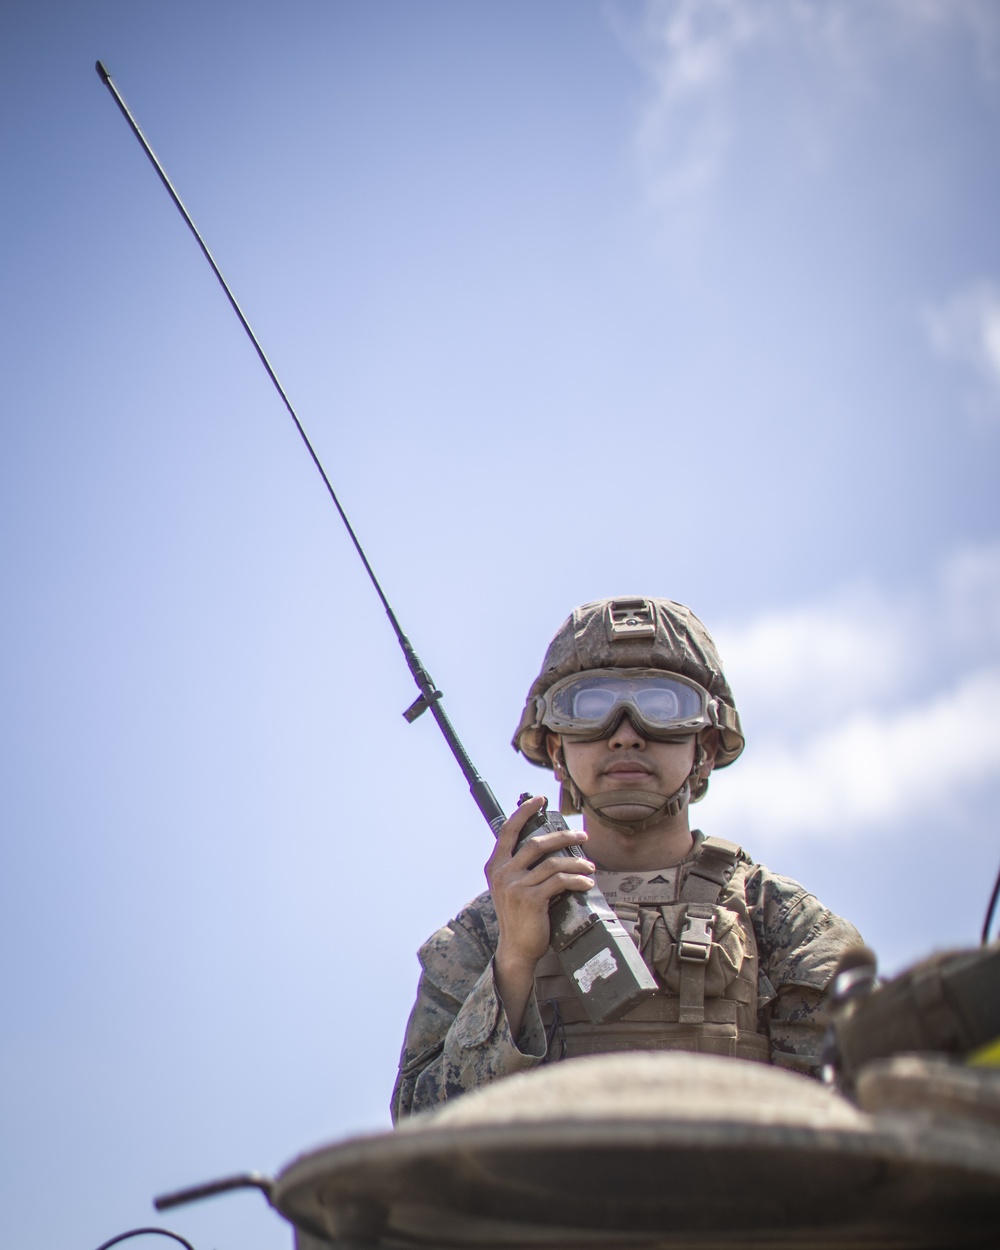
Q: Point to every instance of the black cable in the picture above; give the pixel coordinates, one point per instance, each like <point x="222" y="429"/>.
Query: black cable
<point x="988" y="922"/>
<point x="140" y="1232"/>
<point x="225" y="1185"/>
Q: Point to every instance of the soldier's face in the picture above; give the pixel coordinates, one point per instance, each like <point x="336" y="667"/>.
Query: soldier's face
<point x="628" y="761"/>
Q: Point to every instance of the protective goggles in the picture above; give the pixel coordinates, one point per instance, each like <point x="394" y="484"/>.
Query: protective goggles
<point x="661" y="705"/>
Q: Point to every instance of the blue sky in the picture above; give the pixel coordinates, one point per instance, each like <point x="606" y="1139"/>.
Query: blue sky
<point x="698" y="298"/>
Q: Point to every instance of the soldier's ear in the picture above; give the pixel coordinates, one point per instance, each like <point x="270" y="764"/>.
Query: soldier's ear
<point x="553" y="745"/>
<point x="710" y="743"/>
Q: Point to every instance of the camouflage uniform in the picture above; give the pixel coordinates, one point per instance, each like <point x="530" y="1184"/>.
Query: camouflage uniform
<point x="784" y="957"/>
<point x="458" y="1038"/>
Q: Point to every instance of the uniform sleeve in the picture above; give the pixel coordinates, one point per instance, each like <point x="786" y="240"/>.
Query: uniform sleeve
<point x="457" y="1037"/>
<point x="800" y="943"/>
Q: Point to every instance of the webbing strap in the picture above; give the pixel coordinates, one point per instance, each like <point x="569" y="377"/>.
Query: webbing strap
<point x="628" y="914"/>
<point x="726" y="717"/>
<point x="709" y="875"/>
<point x="694" y="946"/>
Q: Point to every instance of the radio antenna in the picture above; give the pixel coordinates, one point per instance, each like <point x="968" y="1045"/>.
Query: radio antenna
<point x="430" y="696"/>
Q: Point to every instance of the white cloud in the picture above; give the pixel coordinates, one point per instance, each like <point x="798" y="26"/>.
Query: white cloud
<point x="828" y="656"/>
<point x="695" y="41"/>
<point x="865" y="707"/>
<point x="966" y="328"/>
<point x="871" y="768"/>
<point x="687" y="48"/>
<point x="861" y="646"/>
<point x="693" y="51"/>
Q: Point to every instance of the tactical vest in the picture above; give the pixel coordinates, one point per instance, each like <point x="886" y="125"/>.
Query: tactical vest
<point x="692" y="926"/>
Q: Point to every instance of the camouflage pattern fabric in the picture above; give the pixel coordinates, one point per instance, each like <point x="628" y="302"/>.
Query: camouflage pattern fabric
<point x="458" y="1038"/>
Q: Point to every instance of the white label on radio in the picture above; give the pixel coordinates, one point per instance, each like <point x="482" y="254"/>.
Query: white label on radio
<point x="596" y="968"/>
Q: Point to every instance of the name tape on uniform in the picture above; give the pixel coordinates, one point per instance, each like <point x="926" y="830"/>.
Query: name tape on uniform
<point x="656" y="886"/>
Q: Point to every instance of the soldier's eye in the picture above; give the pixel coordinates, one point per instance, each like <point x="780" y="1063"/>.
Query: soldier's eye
<point x="593" y="704"/>
<point x="658" y="705"/>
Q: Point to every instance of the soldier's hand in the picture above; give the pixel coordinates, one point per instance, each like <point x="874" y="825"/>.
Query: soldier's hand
<point x="523" y="883"/>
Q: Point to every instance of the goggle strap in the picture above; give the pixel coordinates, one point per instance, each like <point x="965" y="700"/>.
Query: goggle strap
<point x="723" y="716"/>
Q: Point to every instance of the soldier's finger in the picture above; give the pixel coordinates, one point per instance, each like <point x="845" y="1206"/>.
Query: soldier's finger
<point x="540" y="844"/>
<point x="515" y="822"/>
<point x="561" y="881"/>
<point x="498" y="864"/>
<point x="558" y="865"/>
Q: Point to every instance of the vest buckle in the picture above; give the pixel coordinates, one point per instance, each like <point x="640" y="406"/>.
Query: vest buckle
<point x="694" y="944"/>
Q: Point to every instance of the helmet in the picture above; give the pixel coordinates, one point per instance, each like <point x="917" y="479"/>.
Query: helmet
<point x="632" y="633"/>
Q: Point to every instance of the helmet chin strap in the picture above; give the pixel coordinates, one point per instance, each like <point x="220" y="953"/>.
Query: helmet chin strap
<point x="655" y="807"/>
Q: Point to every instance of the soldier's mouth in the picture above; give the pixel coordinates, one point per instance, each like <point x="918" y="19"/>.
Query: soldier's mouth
<point x="628" y="769"/>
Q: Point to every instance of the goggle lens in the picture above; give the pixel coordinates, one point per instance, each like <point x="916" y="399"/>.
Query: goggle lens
<point x="587" y="703"/>
<point x="593" y="704"/>
<point x="665" y="705"/>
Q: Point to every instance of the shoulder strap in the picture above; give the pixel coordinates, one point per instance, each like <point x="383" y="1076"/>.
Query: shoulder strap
<point x="709" y="875"/>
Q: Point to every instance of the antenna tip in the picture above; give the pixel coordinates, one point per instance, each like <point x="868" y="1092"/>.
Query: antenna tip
<point x="102" y="73"/>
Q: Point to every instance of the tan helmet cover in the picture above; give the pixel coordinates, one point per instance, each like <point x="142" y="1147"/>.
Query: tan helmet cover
<point x="629" y="632"/>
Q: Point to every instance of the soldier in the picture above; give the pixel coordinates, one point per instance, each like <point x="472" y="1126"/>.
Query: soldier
<point x="632" y="712"/>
